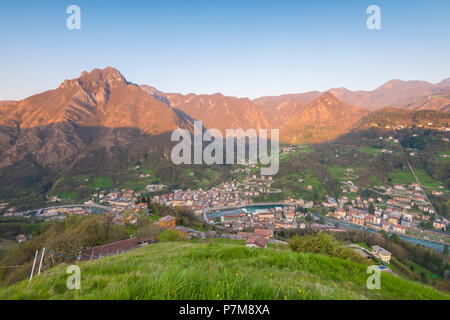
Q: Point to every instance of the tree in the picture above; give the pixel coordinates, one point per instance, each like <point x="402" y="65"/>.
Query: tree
<point x="143" y="227"/>
<point x="147" y="229"/>
<point x="173" y="235"/>
<point x="371" y="208"/>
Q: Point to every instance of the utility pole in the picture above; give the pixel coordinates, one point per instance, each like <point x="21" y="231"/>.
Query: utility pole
<point x="42" y="258"/>
<point x="34" y="263"/>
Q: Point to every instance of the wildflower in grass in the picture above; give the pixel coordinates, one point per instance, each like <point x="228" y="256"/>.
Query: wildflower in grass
<point x="237" y="274"/>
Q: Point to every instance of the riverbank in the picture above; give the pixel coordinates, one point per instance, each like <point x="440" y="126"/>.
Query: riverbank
<point x="439" y="246"/>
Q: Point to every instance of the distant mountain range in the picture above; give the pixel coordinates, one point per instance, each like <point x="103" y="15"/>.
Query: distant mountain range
<point x="100" y="124"/>
<point x="101" y="109"/>
<point x="292" y="112"/>
<point x="392" y="93"/>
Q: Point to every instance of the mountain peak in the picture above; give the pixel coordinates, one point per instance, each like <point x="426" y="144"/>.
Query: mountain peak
<point x="391" y="83"/>
<point x="445" y="83"/>
<point x="397" y="84"/>
<point x="95" y="77"/>
<point x="108" y="74"/>
<point x="328" y="98"/>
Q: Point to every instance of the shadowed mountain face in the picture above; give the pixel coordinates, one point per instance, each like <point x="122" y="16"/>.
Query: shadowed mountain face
<point x="34" y="161"/>
<point x="60" y="146"/>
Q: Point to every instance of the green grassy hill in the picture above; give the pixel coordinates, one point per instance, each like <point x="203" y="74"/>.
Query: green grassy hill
<point x="218" y="269"/>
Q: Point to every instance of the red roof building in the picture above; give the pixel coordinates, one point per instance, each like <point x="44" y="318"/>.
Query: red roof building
<point x="256" y="242"/>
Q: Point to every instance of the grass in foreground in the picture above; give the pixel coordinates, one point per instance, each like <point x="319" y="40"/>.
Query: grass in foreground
<point x="218" y="270"/>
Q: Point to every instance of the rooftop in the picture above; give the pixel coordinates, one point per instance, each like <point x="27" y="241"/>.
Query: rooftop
<point x="380" y="250"/>
<point x="167" y="219"/>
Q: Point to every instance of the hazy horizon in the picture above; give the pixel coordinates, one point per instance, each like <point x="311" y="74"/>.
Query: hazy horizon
<point x="218" y="91"/>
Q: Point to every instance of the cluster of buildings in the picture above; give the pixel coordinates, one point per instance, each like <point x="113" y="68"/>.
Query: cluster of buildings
<point x="440" y="224"/>
<point x="117" y="199"/>
<point x="407" y="195"/>
<point x="69" y="211"/>
<point x="428" y="125"/>
<point x="52" y="213"/>
<point x="270" y="219"/>
<point x="405" y="208"/>
<point x="227" y="194"/>
<point x="388" y="220"/>
<point x="123" y="203"/>
<point x="155" y="187"/>
<point x="12" y="213"/>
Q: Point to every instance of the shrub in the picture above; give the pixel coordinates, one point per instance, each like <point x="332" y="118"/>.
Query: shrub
<point x="319" y="243"/>
<point x="325" y="244"/>
<point x="173" y="235"/>
<point x="147" y="229"/>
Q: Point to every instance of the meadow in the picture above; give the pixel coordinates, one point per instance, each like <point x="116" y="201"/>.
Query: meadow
<point x="218" y="269"/>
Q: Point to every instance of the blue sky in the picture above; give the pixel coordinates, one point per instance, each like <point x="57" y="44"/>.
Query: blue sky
<point x="244" y="48"/>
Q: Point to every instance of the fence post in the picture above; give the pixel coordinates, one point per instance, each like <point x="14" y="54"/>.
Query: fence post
<point x="34" y="263"/>
<point x="42" y="258"/>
